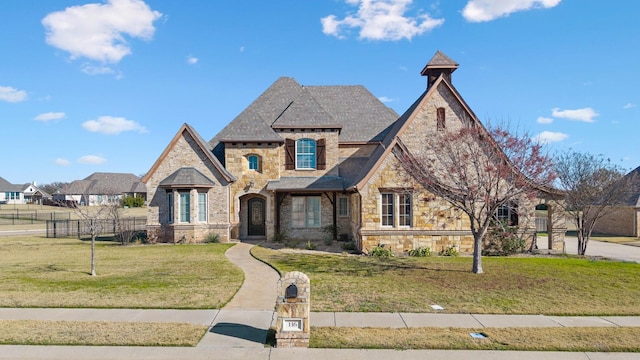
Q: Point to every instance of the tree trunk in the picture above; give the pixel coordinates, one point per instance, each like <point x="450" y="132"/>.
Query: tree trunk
<point x="477" y="254"/>
<point x="582" y="242"/>
<point x="93" y="249"/>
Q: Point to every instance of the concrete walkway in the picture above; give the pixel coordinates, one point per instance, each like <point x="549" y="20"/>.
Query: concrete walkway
<point x="239" y="329"/>
<point x="246" y="319"/>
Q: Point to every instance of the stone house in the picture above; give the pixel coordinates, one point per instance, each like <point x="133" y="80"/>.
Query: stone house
<point x="312" y="162"/>
<point x="624" y="220"/>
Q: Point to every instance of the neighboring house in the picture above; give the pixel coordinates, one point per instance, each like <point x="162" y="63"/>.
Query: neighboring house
<point x="10" y="193"/>
<point x="624" y="220"/>
<point x="34" y="195"/>
<point x="101" y="189"/>
<point x="315" y="161"/>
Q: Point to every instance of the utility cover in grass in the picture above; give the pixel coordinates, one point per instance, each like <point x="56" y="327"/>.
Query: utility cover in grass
<point x="478" y="335"/>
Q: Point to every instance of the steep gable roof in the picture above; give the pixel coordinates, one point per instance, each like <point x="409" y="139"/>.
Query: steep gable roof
<point x="633" y="177"/>
<point x="201" y="143"/>
<point x="402" y="124"/>
<point x="287" y="104"/>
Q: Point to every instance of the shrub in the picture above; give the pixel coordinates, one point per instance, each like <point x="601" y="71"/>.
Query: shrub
<point x="422" y="251"/>
<point x="329" y="231"/>
<point x="349" y="246"/>
<point x="130" y="201"/>
<point x="449" y="251"/>
<point x="291" y="243"/>
<point x="503" y="240"/>
<point x="212" y="238"/>
<point x="280" y="237"/>
<point x="310" y="245"/>
<point x="381" y="251"/>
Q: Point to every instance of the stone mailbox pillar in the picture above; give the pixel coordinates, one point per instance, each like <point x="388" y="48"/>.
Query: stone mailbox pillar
<point x="293" y="307"/>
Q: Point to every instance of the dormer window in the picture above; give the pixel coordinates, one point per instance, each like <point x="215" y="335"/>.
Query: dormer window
<point x="255" y="162"/>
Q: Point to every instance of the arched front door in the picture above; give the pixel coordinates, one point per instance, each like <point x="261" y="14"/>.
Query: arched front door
<point x="256" y="217"/>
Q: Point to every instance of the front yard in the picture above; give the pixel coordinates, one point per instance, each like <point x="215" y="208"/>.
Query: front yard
<point x="512" y="285"/>
<point x="40" y="272"/>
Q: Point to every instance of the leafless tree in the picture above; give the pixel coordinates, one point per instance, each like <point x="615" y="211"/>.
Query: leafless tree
<point x="123" y="228"/>
<point x="593" y="186"/>
<point x="478" y="171"/>
<point x="94" y="217"/>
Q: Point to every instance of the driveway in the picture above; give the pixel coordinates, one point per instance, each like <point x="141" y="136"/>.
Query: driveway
<point x="599" y="248"/>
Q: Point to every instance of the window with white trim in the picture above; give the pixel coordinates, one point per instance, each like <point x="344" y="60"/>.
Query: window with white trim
<point x="202" y="207"/>
<point x="396" y="209"/>
<point x="387" y="209"/>
<point x="185" y="207"/>
<point x="305" y="212"/>
<point x="404" y="210"/>
<point x="306" y="154"/>
<point x="508" y="214"/>
<point x="170" y="206"/>
<point x="343" y="206"/>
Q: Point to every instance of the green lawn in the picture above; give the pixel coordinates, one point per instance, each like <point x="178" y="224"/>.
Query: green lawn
<point x="514" y="285"/>
<point x="39" y="272"/>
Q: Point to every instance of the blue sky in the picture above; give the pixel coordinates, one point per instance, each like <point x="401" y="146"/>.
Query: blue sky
<point x="91" y="85"/>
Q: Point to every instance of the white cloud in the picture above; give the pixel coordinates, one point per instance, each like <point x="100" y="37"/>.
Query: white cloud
<point x="96" y="70"/>
<point x="385" y="99"/>
<point x="50" y="116"/>
<point x="92" y="159"/>
<point x="62" y="162"/>
<point x="585" y="114"/>
<point x="546" y="137"/>
<point x="10" y="94"/>
<point x="629" y="106"/>
<point x="544" y="120"/>
<point x="192" y="60"/>
<point x="487" y="10"/>
<point x="96" y="31"/>
<point x="112" y="125"/>
<point x="381" y="20"/>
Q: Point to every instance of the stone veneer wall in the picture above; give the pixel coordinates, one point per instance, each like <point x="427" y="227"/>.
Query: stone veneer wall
<point x="435" y="224"/>
<point x="326" y="219"/>
<point x="620" y="221"/>
<point x="185" y="153"/>
<point x="251" y="183"/>
<point x="331" y="145"/>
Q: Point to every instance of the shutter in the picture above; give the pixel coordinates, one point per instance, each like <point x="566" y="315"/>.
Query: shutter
<point x="441" y="118"/>
<point x="290" y="154"/>
<point x="321" y="158"/>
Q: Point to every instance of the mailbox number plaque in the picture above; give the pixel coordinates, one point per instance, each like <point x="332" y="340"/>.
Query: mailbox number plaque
<point x="292" y="325"/>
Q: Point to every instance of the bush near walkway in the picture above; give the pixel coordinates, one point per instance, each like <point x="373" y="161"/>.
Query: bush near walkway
<point x="510" y="285"/>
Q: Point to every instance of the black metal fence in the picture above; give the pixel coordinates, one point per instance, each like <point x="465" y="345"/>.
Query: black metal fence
<point x="25" y="217"/>
<point x="78" y="228"/>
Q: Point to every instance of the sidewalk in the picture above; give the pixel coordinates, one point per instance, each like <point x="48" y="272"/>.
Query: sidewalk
<point x="239" y="329"/>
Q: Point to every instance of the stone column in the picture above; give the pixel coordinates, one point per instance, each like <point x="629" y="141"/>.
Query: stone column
<point x="293" y="308"/>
